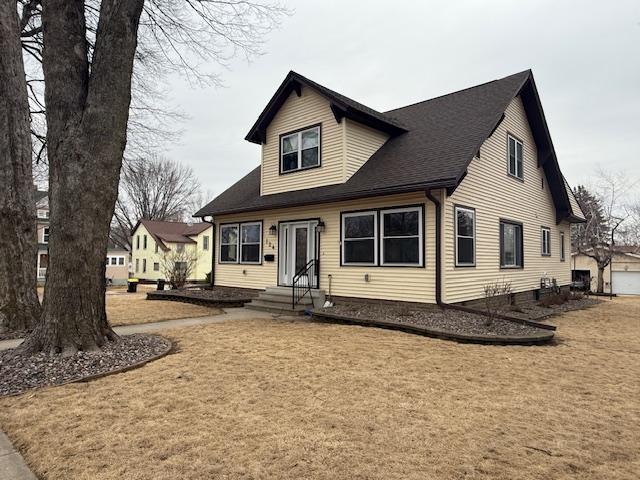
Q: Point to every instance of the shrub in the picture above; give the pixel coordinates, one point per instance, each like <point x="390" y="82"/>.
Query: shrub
<point x="497" y="299"/>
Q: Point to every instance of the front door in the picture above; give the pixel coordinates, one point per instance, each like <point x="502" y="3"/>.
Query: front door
<point x="297" y="242"/>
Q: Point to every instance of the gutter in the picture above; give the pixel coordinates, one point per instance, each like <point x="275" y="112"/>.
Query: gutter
<point x="436" y="202"/>
<point x="213" y="250"/>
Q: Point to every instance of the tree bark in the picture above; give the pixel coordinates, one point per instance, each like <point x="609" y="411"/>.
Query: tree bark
<point x="19" y="304"/>
<point x="87" y="114"/>
<point x="600" y="287"/>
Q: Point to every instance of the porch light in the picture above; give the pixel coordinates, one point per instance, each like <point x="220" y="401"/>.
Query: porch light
<point x="320" y="227"/>
<point x="273" y="229"/>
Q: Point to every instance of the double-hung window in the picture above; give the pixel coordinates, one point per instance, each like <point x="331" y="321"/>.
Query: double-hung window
<point x="465" y="236"/>
<point x="511" y="251"/>
<point x="401" y="232"/>
<point x="300" y="150"/>
<point x="45" y="235"/>
<point x="144" y="242"/>
<point x="250" y="242"/>
<point x="359" y="238"/>
<point x="205" y="242"/>
<point x="562" y="254"/>
<point x="545" y="238"/>
<point x="515" y="149"/>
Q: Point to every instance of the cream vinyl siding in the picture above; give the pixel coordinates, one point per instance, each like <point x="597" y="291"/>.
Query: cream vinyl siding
<point x="361" y="142"/>
<point x="296" y="113"/>
<point x="494" y="194"/>
<point x="575" y="207"/>
<point x="415" y="284"/>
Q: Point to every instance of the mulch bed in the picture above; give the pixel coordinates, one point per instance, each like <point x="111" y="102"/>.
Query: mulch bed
<point x="218" y="296"/>
<point x="19" y="373"/>
<point x="13" y="335"/>
<point x="538" y="312"/>
<point x="441" y="322"/>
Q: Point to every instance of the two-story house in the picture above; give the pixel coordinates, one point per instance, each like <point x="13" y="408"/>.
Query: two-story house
<point x="153" y="240"/>
<point x="425" y="203"/>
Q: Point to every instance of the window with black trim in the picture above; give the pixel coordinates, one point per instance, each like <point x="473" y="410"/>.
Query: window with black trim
<point x="144" y="265"/>
<point x="250" y="242"/>
<point x="229" y="243"/>
<point x="300" y="150"/>
<point x="511" y="255"/>
<point x="205" y="242"/>
<point x="401" y="236"/>
<point x="545" y="238"/>
<point x="156" y="267"/>
<point x="45" y="235"/>
<point x="137" y="242"/>
<point x="465" y="236"/>
<point x="359" y="238"/>
<point x="515" y="157"/>
<point x="144" y="242"/>
<point x="562" y="250"/>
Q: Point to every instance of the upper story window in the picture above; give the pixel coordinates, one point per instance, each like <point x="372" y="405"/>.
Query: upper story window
<point x="45" y="235"/>
<point x="401" y="236"/>
<point x="300" y="150"/>
<point x="511" y="247"/>
<point x="180" y="247"/>
<point x="43" y="213"/>
<point x="515" y="157"/>
<point x="465" y="236"/>
<point x="137" y="242"/>
<point x="144" y="242"/>
<point x="546" y="240"/>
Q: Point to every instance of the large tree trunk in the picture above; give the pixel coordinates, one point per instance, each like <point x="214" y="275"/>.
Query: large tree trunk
<point x="19" y="305"/>
<point x="600" y="288"/>
<point x="87" y="118"/>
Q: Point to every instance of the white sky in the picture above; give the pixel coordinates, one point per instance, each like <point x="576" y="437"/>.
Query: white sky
<point x="585" y="58"/>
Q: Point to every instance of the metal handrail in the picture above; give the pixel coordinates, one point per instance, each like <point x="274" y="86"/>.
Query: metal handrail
<point x="308" y="272"/>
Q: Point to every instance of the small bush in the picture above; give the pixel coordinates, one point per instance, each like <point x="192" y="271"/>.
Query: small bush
<point x="555" y="299"/>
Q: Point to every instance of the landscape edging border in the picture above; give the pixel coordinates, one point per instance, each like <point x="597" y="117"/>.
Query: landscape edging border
<point x="437" y="333"/>
<point x="97" y="376"/>
<point x="209" y="302"/>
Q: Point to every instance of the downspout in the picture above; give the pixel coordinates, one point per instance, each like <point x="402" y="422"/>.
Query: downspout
<point x="436" y="203"/>
<point x="213" y="250"/>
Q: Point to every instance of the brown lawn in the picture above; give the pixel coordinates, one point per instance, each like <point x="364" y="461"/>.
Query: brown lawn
<point x="133" y="308"/>
<point x="292" y="400"/>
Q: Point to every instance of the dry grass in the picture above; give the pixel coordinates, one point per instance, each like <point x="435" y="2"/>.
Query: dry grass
<point x="134" y="308"/>
<point x="291" y="400"/>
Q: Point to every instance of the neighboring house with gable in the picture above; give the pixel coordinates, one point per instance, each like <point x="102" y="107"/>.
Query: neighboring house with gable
<point x="425" y="203"/>
<point x="151" y="240"/>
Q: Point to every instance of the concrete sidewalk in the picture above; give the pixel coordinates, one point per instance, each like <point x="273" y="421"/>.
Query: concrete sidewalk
<point x="12" y="465"/>
<point x="229" y="314"/>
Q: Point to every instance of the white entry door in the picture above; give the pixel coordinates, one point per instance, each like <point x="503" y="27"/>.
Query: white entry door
<point x="297" y="245"/>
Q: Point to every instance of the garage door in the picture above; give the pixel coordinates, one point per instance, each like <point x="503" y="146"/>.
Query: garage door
<point x="626" y="283"/>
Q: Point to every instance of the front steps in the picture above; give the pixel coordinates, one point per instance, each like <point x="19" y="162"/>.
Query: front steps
<point x="278" y="300"/>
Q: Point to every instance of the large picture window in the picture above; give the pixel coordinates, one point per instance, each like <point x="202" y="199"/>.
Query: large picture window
<point x="465" y="236"/>
<point x="359" y="238"/>
<point x="545" y="239"/>
<point x="515" y="157"/>
<point x="250" y="242"/>
<point x="300" y="150"/>
<point x="511" y="245"/>
<point x="401" y="236"/>
<point x="229" y="243"/>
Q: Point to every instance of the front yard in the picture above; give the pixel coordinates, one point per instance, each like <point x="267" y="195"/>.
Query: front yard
<point x="294" y="399"/>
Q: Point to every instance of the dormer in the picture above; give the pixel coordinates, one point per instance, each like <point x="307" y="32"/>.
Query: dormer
<point x="312" y="136"/>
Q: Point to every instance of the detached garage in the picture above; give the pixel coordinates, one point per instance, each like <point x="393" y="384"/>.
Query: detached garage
<point x="625" y="283"/>
<point x="623" y="273"/>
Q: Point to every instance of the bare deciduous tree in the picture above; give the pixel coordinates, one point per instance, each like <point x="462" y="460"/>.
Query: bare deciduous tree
<point x="88" y="78"/>
<point x="152" y="188"/>
<point x="19" y="305"/>
<point x="497" y="298"/>
<point x="178" y="266"/>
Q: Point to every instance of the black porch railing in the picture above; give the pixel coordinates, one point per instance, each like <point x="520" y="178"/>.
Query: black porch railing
<point x="304" y="281"/>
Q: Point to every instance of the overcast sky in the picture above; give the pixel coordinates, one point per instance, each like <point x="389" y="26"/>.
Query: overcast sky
<point x="585" y="56"/>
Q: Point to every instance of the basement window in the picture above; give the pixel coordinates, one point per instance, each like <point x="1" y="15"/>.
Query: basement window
<point x="300" y="150"/>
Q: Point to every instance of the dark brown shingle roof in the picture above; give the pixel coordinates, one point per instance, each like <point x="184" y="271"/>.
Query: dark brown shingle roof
<point x="443" y="135"/>
<point x="172" y="232"/>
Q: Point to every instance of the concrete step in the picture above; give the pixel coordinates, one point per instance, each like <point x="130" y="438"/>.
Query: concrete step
<point x="279" y="308"/>
<point x="287" y="292"/>
<point x="284" y="299"/>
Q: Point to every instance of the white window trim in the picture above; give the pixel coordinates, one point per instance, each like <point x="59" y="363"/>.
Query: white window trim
<point x="343" y="240"/>
<point x="545" y="247"/>
<point x="562" y="248"/>
<point x="205" y="243"/>
<point x="299" y="135"/>
<point x="117" y="258"/>
<point x="420" y="237"/>
<point x="457" y="235"/>
<point x="515" y="174"/>
<point x="45" y="235"/>
<point x="241" y="243"/>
